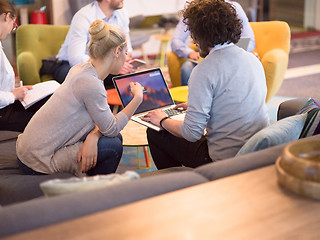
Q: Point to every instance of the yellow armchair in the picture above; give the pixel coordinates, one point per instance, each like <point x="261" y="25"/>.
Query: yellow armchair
<point x="272" y="46"/>
<point x="34" y="43"/>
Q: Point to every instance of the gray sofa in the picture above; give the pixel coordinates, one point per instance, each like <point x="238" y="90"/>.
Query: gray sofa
<point x="25" y="208"/>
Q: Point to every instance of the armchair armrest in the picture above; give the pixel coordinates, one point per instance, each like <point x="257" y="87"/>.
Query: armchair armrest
<point x="291" y="107"/>
<point x="27" y="67"/>
<point x="275" y="63"/>
<point x="174" y="66"/>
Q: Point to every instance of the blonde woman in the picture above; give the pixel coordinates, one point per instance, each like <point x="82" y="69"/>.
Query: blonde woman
<point x="75" y="131"/>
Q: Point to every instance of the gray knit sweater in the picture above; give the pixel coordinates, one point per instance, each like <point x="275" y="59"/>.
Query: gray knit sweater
<point x="227" y="92"/>
<point x="54" y="136"/>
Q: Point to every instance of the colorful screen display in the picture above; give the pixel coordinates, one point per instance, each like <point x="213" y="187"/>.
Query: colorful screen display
<point x="155" y="93"/>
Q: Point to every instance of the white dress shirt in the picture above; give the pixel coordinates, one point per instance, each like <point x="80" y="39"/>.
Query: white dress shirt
<point x="178" y="42"/>
<point x="7" y="80"/>
<point x="74" y="49"/>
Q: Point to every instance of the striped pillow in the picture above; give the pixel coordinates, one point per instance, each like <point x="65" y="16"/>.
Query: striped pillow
<point x="312" y="124"/>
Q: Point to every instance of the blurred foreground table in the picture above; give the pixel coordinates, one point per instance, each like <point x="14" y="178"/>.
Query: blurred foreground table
<point x="250" y="205"/>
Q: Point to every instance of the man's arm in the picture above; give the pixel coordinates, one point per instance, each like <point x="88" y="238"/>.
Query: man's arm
<point x="246" y="30"/>
<point x="124" y="26"/>
<point x="6" y="98"/>
<point x="178" y="42"/>
<point x="78" y="38"/>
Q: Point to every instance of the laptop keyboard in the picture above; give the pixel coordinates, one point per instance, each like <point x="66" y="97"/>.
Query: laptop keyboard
<point x="172" y="112"/>
<point x="169" y="111"/>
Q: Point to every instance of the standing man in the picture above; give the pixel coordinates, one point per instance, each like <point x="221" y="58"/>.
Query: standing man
<point x="74" y="49"/>
<point x="182" y="50"/>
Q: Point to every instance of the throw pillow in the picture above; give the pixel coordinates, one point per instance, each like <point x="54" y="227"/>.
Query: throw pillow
<point x="283" y="131"/>
<point x="312" y="124"/>
<point x="72" y="185"/>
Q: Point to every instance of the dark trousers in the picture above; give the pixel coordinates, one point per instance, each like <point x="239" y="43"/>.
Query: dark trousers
<point x="168" y="150"/>
<point x="60" y="70"/>
<point x="108" y="84"/>
<point x="15" y="118"/>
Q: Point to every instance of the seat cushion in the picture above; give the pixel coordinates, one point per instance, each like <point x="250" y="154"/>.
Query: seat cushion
<point x="8" y="157"/>
<point x="283" y="131"/>
<point x="8" y="135"/>
<point x="16" y="188"/>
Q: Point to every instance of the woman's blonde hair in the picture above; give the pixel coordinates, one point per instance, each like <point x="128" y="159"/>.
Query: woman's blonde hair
<point x="104" y="37"/>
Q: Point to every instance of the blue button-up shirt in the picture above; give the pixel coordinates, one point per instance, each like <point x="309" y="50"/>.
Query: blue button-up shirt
<point x="74" y="49"/>
<point x="178" y="42"/>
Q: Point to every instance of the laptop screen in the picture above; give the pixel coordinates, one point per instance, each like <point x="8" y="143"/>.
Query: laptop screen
<point x="155" y="94"/>
<point x="243" y="43"/>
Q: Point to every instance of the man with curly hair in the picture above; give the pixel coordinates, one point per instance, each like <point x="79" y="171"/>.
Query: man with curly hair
<point x="227" y="92"/>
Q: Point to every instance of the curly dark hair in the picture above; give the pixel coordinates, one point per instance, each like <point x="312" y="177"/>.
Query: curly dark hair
<point x="211" y="22"/>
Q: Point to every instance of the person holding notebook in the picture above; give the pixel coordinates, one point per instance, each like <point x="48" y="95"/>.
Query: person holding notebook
<point x="13" y="116"/>
<point x="75" y="131"/>
<point x="182" y="50"/>
<point x="227" y="91"/>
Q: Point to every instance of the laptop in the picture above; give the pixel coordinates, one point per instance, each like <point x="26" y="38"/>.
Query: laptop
<point x="156" y="95"/>
<point x="243" y="43"/>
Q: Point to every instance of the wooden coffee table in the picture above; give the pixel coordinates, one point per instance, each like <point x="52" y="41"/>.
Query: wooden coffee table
<point x="134" y="135"/>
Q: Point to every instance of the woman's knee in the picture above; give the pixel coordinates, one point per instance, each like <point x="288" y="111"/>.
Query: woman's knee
<point x="107" y="144"/>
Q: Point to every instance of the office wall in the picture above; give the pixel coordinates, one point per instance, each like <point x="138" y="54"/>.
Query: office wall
<point x="60" y="12"/>
<point x="312" y="14"/>
<point x="302" y="13"/>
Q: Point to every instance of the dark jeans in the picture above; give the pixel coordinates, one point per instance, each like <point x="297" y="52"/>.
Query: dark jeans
<point x="168" y="150"/>
<point x="108" y="84"/>
<point x="109" y="155"/>
<point x="27" y="170"/>
<point x="61" y="69"/>
<point x="15" y="118"/>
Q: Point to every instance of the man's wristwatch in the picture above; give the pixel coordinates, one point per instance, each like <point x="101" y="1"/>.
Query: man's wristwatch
<point x="163" y="119"/>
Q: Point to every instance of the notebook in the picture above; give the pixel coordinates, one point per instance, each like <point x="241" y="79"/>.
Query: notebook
<point x="156" y="94"/>
<point x="243" y="42"/>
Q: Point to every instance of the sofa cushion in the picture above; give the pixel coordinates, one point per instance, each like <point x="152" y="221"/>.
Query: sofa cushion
<point x="283" y="131"/>
<point x="8" y="135"/>
<point x="312" y="124"/>
<point x="8" y="157"/>
<point x="16" y="188"/>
